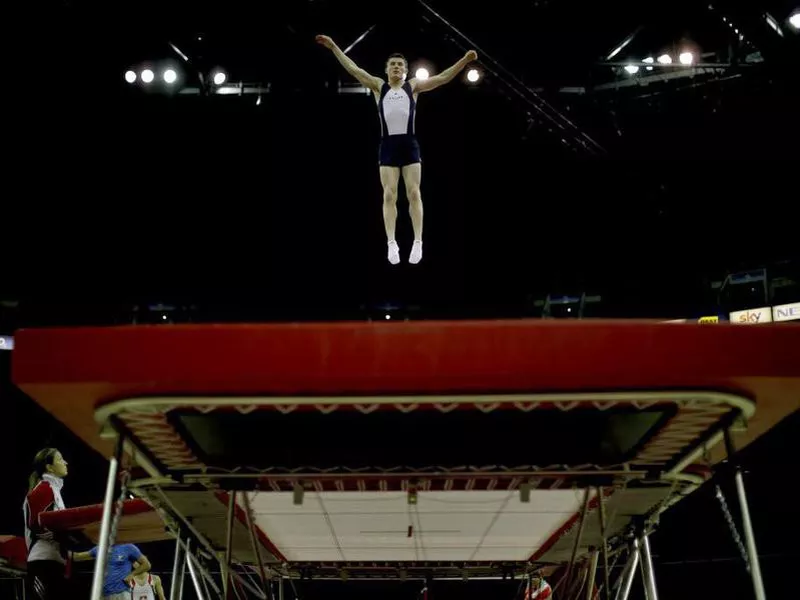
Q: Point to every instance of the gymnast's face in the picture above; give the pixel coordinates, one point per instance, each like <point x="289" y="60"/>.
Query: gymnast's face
<point x="396" y="68"/>
<point x="58" y="467"/>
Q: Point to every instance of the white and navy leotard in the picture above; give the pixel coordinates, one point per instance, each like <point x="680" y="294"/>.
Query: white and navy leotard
<point x="397" y="112"/>
<point x="143" y="591"/>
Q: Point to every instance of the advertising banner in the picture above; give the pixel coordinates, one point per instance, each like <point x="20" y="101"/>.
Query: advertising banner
<point x="786" y="312"/>
<point x="710" y="319"/>
<point x="752" y="316"/>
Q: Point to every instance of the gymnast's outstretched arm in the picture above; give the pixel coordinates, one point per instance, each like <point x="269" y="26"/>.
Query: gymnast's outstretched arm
<point x="446" y="76"/>
<point x="368" y="81"/>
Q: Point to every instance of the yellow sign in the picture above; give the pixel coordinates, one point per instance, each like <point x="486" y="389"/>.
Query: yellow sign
<point x="714" y="319"/>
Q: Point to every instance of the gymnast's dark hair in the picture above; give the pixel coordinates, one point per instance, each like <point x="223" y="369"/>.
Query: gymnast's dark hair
<point x="43" y="457"/>
<point x="397" y="55"/>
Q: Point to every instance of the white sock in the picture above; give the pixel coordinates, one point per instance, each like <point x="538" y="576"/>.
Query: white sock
<point x="416" y="252"/>
<point x="394" y="252"/>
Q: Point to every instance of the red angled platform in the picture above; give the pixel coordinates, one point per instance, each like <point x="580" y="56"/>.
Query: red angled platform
<point x="362" y="416"/>
<point x="13" y="554"/>
<point x="139" y="522"/>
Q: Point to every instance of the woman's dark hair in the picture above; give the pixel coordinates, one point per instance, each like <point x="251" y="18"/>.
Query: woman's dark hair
<point x="43" y="457"/>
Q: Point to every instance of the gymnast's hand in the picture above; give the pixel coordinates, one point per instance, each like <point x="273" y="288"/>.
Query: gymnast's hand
<point x="471" y="56"/>
<point x="324" y="40"/>
<point x="45" y="535"/>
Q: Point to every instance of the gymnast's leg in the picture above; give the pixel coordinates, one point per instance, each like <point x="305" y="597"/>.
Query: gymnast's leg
<point x="412" y="177"/>
<point x="390" y="176"/>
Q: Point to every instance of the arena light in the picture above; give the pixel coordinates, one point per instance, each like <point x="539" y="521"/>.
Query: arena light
<point x="422" y="74"/>
<point x="632" y="69"/>
<point x="130" y="76"/>
<point x="794" y="20"/>
<point x="649" y="61"/>
<point x="473" y="75"/>
<point x="147" y="76"/>
<point x="686" y="58"/>
<point x="219" y="77"/>
<point x="665" y="59"/>
<point x="170" y="76"/>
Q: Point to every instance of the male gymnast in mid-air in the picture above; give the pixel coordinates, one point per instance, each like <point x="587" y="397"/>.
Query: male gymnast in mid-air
<point x="399" y="152"/>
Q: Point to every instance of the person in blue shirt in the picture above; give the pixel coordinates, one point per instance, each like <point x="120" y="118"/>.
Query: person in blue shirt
<point x="125" y="562"/>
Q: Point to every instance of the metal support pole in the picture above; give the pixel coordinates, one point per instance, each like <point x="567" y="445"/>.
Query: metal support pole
<point x="182" y="574"/>
<point x="185" y="523"/>
<point x="294" y="589"/>
<point x="105" y="526"/>
<point x="236" y="585"/>
<point x="280" y="588"/>
<point x="648" y="574"/>
<point x="190" y="561"/>
<point x="358" y="39"/>
<point x="229" y="544"/>
<point x="604" y="549"/>
<point x="578" y="536"/>
<point x="603" y="525"/>
<point x="176" y="514"/>
<point x="591" y="576"/>
<point x="543" y="108"/>
<point x="246" y="585"/>
<point x="205" y="582"/>
<point x="254" y="542"/>
<point x="629" y="572"/>
<point x="176" y="589"/>
<point x="205" y="576"/>
<point x="749" y="537"/>
<point x="747" y="525"/>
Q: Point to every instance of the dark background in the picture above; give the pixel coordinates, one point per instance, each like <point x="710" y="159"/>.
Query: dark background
<point x="215" y="200"/>
<point x="117" y="198"/>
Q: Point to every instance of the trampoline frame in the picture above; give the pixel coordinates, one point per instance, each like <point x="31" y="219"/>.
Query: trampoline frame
<point x="125" y="420"/>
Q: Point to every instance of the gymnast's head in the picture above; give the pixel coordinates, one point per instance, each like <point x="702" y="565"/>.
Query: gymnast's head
<point x="47" y="461"/>
<point x="396" y="67"/>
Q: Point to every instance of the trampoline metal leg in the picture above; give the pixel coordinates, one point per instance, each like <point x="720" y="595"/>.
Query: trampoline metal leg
<point x="603" y="534"/>
<point x="205" y="577"/>
<point x="105" y="526"/>
<point x="204" y="581"/>
<point x="591" y="575"/>
<point x="648" y="574"/>
<point x="256" y="552"/>
<point x="750" y="540"/>
<point x="190" y="562"/>
<point x="226" y="577"/>
<point x="246" y="585"/>
<point x="578" y="536"/>
<point x="280" y="588"/>
<point x="177" y="572"/>
<point x="236" y="585"/>
<point x="628" y="573"/>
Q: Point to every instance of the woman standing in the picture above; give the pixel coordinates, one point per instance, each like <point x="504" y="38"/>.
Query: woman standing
<point x="46" y="557"/>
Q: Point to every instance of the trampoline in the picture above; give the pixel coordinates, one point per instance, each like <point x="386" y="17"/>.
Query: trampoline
<point x="412" y="450"/>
